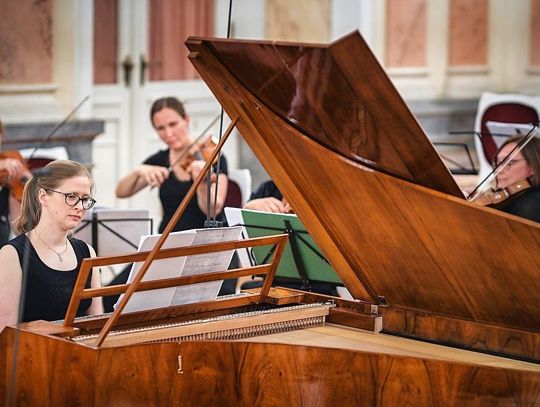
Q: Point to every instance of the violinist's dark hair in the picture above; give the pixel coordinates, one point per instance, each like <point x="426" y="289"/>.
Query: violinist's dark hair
<point x="50" y="177"/>
<point x="531" y="153"/>
<point x="170" y="102"/>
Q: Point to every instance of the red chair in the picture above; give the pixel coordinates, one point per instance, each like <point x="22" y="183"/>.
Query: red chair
<point x="504" y="108"/>
<point x="234" y="195"/>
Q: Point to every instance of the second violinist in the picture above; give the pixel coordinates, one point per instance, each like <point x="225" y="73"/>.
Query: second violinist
<point x="521" y="172"/>
<point x="171" y="123"/>
<point x="10" y="168"/>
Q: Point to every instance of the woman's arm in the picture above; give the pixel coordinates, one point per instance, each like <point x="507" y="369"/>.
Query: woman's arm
<point x="96" y="308"/>
<point x="10" y="286"/>
<point x="202" y="194"/>
<point x="140" y="177"/>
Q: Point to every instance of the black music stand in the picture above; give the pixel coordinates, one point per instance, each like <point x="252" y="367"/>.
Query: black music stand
<point x="456" y="167"/>
<point x="113" y="231"/>
<point x="302" y="262"/>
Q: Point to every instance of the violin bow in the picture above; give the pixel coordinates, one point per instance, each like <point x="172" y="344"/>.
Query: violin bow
<point x="58" y="126"/>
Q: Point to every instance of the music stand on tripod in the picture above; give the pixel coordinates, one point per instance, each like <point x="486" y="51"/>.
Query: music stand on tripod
<point x="113" y="231"/>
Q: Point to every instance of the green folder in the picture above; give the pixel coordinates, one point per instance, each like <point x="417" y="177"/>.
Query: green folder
<point x="316" y="267"/>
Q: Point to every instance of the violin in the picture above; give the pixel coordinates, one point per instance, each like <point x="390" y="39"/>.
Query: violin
<point x="495" y="197"/>
<point x="16" y="183"/>
<point x="198" y="151"/>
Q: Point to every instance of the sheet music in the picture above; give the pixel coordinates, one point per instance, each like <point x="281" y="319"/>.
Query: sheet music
<point x="234" y="217"/>
<point x="205" y="263"/>
<point x="164" y="268"/>
<point x="505" y="130"/>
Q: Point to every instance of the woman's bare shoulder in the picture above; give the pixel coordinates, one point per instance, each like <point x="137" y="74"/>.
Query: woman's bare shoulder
<point x="9" y="260"/>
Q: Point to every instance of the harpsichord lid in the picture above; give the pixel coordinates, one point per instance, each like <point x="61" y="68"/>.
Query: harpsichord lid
<point x="342" y="146"/>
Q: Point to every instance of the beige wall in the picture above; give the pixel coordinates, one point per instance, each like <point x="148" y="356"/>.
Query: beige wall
<point x="298" y="20"/>
<point x="466" y="48"/>
<point x="65" y="48"/>
<point x="431" y="49"/>
<point x="534" y="49"/>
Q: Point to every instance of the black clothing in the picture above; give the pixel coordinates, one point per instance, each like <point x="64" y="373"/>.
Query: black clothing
<point x="48" y="291"/>
<point x="172" y="191"/>
<point x="4" y="216"/>
<point x="525" y="204"/>
<point x="266" y="190"/>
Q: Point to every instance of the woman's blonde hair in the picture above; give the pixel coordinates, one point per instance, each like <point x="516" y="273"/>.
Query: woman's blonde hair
<point x="50" y="177"/>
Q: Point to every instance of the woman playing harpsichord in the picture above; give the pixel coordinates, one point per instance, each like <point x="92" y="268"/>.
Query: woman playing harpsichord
<point x="53" y="205"/>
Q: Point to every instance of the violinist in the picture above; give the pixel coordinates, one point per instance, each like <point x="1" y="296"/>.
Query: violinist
<point x="171" y="123"/>
<point x="523" y="171"/>
<point x="10" y="168"/>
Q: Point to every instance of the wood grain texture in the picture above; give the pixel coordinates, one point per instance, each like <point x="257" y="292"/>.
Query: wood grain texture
<point x="53" y="372"/>
<point x="466" y="334"/>
<point x="337" y="95"/>
<point x="422" y="250"/>
<point x="419" y="248"/>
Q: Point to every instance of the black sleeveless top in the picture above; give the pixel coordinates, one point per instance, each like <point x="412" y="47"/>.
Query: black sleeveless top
<point x="172" y="191"/>
<point x="48" y="291"/>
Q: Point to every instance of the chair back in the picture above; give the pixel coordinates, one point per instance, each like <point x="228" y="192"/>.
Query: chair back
<point x="504" y="108"/>
<point x="234" y="197"/>
<point x="242" y="178"/>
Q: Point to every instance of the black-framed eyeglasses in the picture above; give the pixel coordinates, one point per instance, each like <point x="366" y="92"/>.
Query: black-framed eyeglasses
<point x="510" y="163"/>
<point x="72" y="199"/>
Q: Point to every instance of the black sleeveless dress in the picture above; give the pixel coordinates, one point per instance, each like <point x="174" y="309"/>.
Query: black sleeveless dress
<point x="48" y="291"/>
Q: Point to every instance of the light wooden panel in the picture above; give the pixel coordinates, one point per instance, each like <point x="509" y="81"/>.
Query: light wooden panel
<point x="405" y="44"/>
<point x="105" y="41"/>
<point x="468" y="32"/>
<point x="170" y="23"/>
<point x="535" y="33"/>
